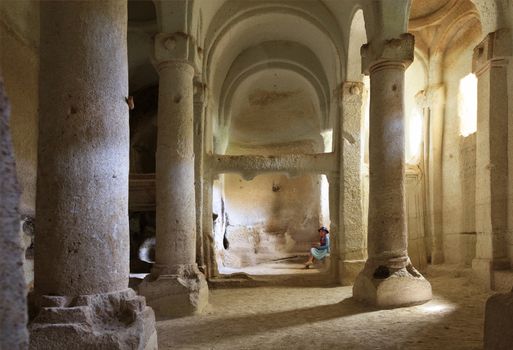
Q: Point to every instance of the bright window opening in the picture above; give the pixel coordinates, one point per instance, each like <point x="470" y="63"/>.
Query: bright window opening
<point x="467" y="105"/>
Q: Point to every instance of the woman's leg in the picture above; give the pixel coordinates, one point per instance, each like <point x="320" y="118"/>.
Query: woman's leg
<point x="310" y="259"/>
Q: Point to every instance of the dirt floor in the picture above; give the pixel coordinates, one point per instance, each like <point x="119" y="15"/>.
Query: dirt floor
<point x="282" y="317"/>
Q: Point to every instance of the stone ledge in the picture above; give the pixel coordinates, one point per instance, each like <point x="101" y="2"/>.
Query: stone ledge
<point x="119" y="320"/>
<point x="176" y="295"/>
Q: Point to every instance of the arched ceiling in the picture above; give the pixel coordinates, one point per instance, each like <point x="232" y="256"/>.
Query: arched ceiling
<point x="282" y="55"/>
<point x="248" y="39"/>
<point x="434" y="24"/>
<point x="281" y="105"/>
<point x="357" y="38"/>
<point x="429" y="9"/>
<point x="240" y="25"/>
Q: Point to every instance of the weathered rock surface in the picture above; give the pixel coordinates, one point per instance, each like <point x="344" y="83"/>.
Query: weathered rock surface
<point x="13" y="310"/>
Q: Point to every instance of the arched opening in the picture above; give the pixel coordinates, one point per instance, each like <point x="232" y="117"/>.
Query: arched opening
<point x="266" y="225"/>
<point x="447" y="160"/>
<point x="357" y="38"/>
<point x="271" y="98"/>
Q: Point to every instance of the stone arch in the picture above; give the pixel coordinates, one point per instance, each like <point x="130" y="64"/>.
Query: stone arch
<point x="237" y="27"/>
<point x="357" y="38"/>
<point x="276" y="55"/>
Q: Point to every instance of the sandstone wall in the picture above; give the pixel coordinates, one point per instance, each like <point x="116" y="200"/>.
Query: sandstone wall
<point x="19" y="40"/>
<point x="459" y="162"/>
<point x="19" y="64"/>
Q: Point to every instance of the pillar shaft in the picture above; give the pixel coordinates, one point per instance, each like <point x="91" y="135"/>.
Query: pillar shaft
<point x="388" y="279"/>
<point x="176" y="208"/>
<point x="199" y="109"/>
<point x="387" y="225"/>
<point x="82" y="187"/>
<point x="208" y="229"/>
<point x="82" y="237"/>
<point x="352" y="240"/>
<point x="495" y="56"/>
<point x="490" y="63"/>
<point x="175" y="286"/>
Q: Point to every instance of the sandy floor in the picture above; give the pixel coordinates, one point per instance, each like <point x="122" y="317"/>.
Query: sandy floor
<point x="328" y="318"/>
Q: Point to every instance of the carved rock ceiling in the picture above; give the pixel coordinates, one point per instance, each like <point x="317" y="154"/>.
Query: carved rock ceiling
<point x="425" y="8"/>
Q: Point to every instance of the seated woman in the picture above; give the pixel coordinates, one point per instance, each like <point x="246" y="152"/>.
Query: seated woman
<point x="322" y="249"/>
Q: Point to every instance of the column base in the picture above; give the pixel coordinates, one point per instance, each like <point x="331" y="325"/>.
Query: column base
<point x="348" y="271"/>
<point x="119" y="320"/>
<point x="182" y="294"/>
<point x="388" y="287"/>
<point x="498" y="322"/>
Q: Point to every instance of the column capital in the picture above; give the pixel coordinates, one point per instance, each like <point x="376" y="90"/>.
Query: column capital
<point x="495" y="47"/>
<point x="391" y="51"/>
<point x="171" y="48"/>
<point x="351" y="92"/>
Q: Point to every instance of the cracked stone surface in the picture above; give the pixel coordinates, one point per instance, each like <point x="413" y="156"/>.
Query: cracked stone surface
<point x="13" y="310"/>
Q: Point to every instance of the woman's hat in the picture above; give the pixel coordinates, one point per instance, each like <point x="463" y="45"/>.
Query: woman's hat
<point x="322" y="228"/>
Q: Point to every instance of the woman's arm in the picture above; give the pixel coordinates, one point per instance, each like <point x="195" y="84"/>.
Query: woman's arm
<point x="326" y="244"/>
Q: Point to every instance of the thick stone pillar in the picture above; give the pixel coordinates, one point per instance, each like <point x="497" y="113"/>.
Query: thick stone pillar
<point x="333" y="179"/>
<point x="208" y="228"/>
<point x="352" y="239"/>
<point x="199" y="112"/>
<point x="388" y="279"/>
<point x="81" y="244"/>
<point x="493" y="60"/>
<point x="175" y="286"/>
<point x="13" y="298"/>
<point x="490" y="64"/>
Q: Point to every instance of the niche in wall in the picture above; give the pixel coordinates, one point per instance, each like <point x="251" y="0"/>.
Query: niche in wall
<point x="268" y="218"/>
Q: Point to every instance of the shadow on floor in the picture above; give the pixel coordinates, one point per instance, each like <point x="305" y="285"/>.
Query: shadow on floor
<point x="207" y="328"/>
<point x="452" y="321"/>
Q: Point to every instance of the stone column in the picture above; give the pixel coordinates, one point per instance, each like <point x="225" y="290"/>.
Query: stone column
<point x="432" y="102"/>
<point x="334" y="219"/>
<point x="490" y="64"/>
<point x="199" y="112"/>
<point x="175" y="286"/>
<point x="436" y="105"/>
<point x="388" y="279"/>
<point x="81" y="246"/>
<point x="13" y="298"/>
<point x="493" y="63"/>
<point x="208" y="228"/>
<point x="352" y="239"/>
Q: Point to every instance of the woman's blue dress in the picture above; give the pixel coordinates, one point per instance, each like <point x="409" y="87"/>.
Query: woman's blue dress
<point x="323" y="250"/>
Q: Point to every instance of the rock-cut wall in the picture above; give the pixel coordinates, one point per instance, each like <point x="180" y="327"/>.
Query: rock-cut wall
<point x="13" y="310"/>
